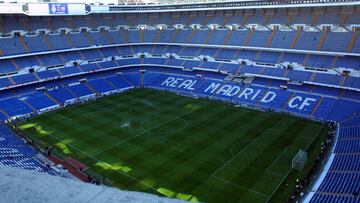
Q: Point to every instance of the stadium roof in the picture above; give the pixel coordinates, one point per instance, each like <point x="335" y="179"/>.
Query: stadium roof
<point x="130" y="2"/>
<point x="19" y="185"/>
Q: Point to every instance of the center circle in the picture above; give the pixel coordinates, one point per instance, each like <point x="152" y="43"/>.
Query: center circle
<point x="163" y="124"/>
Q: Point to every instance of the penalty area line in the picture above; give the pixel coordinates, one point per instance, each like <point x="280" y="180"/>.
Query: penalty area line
<point x="228" y="161"/>
<point x="232" y="150"/>
<point x="240" y="186"/>
<point x="268" y="169"/>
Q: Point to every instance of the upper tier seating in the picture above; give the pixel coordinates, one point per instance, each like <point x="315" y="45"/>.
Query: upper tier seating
<point x="217" y="64"/>
<point x="304" y="16"/>
<point x="259" y="38"/>
<point x="59" y="41"/>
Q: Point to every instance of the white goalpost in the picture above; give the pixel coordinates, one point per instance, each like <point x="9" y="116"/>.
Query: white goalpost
<point x="299" y="161"/>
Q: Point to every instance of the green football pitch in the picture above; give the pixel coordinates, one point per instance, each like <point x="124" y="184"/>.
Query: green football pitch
<point x="180" y="147"/>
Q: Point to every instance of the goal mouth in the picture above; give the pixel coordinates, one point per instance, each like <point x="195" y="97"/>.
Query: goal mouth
<point x="300" y="160"/>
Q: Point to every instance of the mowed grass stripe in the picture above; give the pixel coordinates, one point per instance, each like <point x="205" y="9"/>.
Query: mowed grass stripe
<point x="86" y="124"/>
<point x="184" y="167"/>
<point x="258" y="156"/>
<point x="166" y="144"/>
<point x="153" y="144"/>
<point x="144" y="132"/>
<point x="168" y="112"/>
<point x="179" y="158"/>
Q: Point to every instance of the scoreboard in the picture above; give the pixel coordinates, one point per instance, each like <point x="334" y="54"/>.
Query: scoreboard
<point x="43" y="9"/>
<point x="60" y="9"/>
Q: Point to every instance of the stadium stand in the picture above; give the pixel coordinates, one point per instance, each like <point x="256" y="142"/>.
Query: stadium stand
<point x="287" y="61"/>
<point x="341" y="180"/>
<point x="15" y="152"/>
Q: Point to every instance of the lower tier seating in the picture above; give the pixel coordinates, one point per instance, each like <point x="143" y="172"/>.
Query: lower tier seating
<point x="260" y="93"/>
<point x="16" y="153"/>
<point x="342" y="180"/>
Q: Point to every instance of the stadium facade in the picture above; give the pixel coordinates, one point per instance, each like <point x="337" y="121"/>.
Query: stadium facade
<point x="295" y="57"/>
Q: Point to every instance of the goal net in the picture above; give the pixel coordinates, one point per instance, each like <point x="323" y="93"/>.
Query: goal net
<point x="299" y="161"/>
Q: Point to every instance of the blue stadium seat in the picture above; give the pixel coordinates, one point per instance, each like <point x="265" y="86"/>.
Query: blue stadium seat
<point x="14" y="107"/>
<point x="101" y="85"/>
<point x="38" y="100"/>
<point x="80" y="90"/>
<point x="26" y="78"/>
<point x="61" y="95"/>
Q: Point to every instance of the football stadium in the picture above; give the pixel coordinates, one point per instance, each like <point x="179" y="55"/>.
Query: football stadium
<point x="247" y="101"/>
